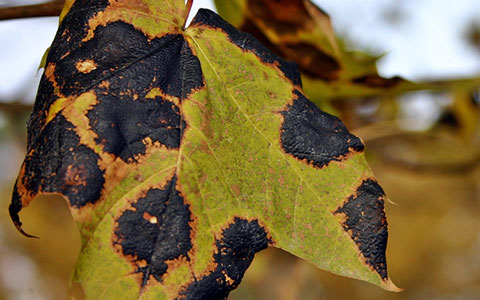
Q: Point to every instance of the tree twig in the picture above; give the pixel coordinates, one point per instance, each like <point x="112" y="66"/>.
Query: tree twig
<point x="48" y="9"/>
<point x="15" y="108"/>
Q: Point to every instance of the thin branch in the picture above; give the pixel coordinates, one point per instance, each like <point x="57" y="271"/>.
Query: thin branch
<point x="48" y="9"/>
<point x="15" y="108"/>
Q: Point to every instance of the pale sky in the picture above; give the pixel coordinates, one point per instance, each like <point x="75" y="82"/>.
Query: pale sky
<point x="426" y="44"/>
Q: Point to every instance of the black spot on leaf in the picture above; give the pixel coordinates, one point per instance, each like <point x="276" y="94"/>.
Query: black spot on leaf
<point x="69" y="35"/>
<point x="60" y="164"/>
<point x="235" y="251"/>
<point x="365" y="220"/>
<point x="247" y="42"/>
<point x="122" y="71"/>
<point x="155" y="230"/>
<point x="311" y="134"/>
<point x="122" y="124"/>
<point x="131" y="63"/>
<point x="74" y="27"/>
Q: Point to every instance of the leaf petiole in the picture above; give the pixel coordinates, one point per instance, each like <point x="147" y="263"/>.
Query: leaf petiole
<point x="188" y="8"/>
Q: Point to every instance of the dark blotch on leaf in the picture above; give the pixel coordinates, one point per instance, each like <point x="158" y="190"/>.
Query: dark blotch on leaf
<point x="156" y="230"/>
<point x="365" y="219"/>
<point x="74" y="27"/>
<point x="235" y="251"/>
<point x="311" y="134"/>
<point x="131" y="63"/>
<point x="122" y="72"/>
<point x="247" y="42"/>
<point x="69" y="35"/>
<point x="122" y="123"/>
<point x="60" y="164"/>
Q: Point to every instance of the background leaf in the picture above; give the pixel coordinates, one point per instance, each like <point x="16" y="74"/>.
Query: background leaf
<point x="302" y="32"/>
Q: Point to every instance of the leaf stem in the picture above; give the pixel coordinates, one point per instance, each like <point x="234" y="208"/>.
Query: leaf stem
<point x="188" y="8"/>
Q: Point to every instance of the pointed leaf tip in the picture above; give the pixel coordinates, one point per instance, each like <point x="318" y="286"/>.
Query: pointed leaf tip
<point x="14" y="209"/>
<point x="18" y="225"/>
<point x="391" y="287"/>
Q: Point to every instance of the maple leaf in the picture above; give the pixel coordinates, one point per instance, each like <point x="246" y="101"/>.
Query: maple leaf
<point x="183" y="152"/>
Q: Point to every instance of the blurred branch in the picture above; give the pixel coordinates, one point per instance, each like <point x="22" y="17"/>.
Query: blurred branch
<point x="378" y="130"/>
<point x="439" y="168"/>
<point x="424" y="152"/>
<point x="15" y="108"/>
<point x="48" y="9"/>
<point x="465" y="84"/>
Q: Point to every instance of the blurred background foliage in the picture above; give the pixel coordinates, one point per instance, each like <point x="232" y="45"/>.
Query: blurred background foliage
<point x="422" y="137"/>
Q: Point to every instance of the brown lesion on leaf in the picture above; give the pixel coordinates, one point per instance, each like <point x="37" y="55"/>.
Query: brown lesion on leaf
<point x="50" y="73"/>
<point x="86" y="66"/>
<point x="362" y="216"/>
<point x="236" y="190"/>
<point x="76" y="175"/>
<point x="104" y="85"/>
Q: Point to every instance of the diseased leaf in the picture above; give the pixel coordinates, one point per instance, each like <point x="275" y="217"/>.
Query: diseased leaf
<point x="299" y="31"/>
<point x="183" y="152"/>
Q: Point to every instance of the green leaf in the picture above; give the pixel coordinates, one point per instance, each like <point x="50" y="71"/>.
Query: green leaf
<point x="182" y="152"/>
